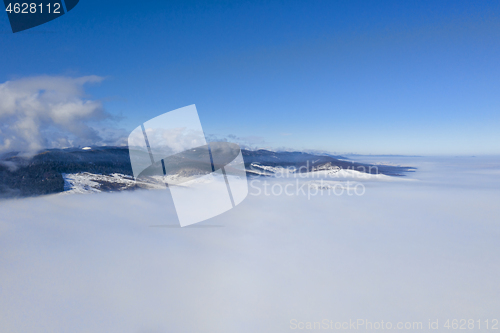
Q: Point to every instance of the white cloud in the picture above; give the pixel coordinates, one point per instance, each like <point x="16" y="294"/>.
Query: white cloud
<point x="405" y="251"/>
<point x="49" y="112"/>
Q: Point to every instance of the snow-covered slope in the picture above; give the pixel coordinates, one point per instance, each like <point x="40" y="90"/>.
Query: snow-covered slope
<point x="86" y="182"/>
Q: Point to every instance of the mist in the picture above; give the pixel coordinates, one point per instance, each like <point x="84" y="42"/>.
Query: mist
<point x="404" y="251"/>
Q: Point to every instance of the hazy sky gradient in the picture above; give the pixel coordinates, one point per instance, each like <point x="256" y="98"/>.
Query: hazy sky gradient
<point x="384" y="78"/>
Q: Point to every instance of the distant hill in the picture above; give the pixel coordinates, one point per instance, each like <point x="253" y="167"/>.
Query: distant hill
<point x="43" y="173"/>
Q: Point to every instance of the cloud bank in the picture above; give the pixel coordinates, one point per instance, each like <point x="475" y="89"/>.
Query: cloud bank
<point x="404" y="252"/>
<point x="49" y="112"/>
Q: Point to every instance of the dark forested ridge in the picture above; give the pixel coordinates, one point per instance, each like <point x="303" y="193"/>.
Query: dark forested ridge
<point x="42" y="173"/>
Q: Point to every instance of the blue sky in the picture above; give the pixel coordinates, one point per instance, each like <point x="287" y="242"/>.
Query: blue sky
<point x="367" y="77"/>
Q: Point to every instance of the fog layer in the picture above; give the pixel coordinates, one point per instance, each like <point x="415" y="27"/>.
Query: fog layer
<point x="405" y="251"/>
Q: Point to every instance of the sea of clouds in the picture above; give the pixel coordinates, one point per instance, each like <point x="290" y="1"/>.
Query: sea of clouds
<point x="404" y="251"/>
